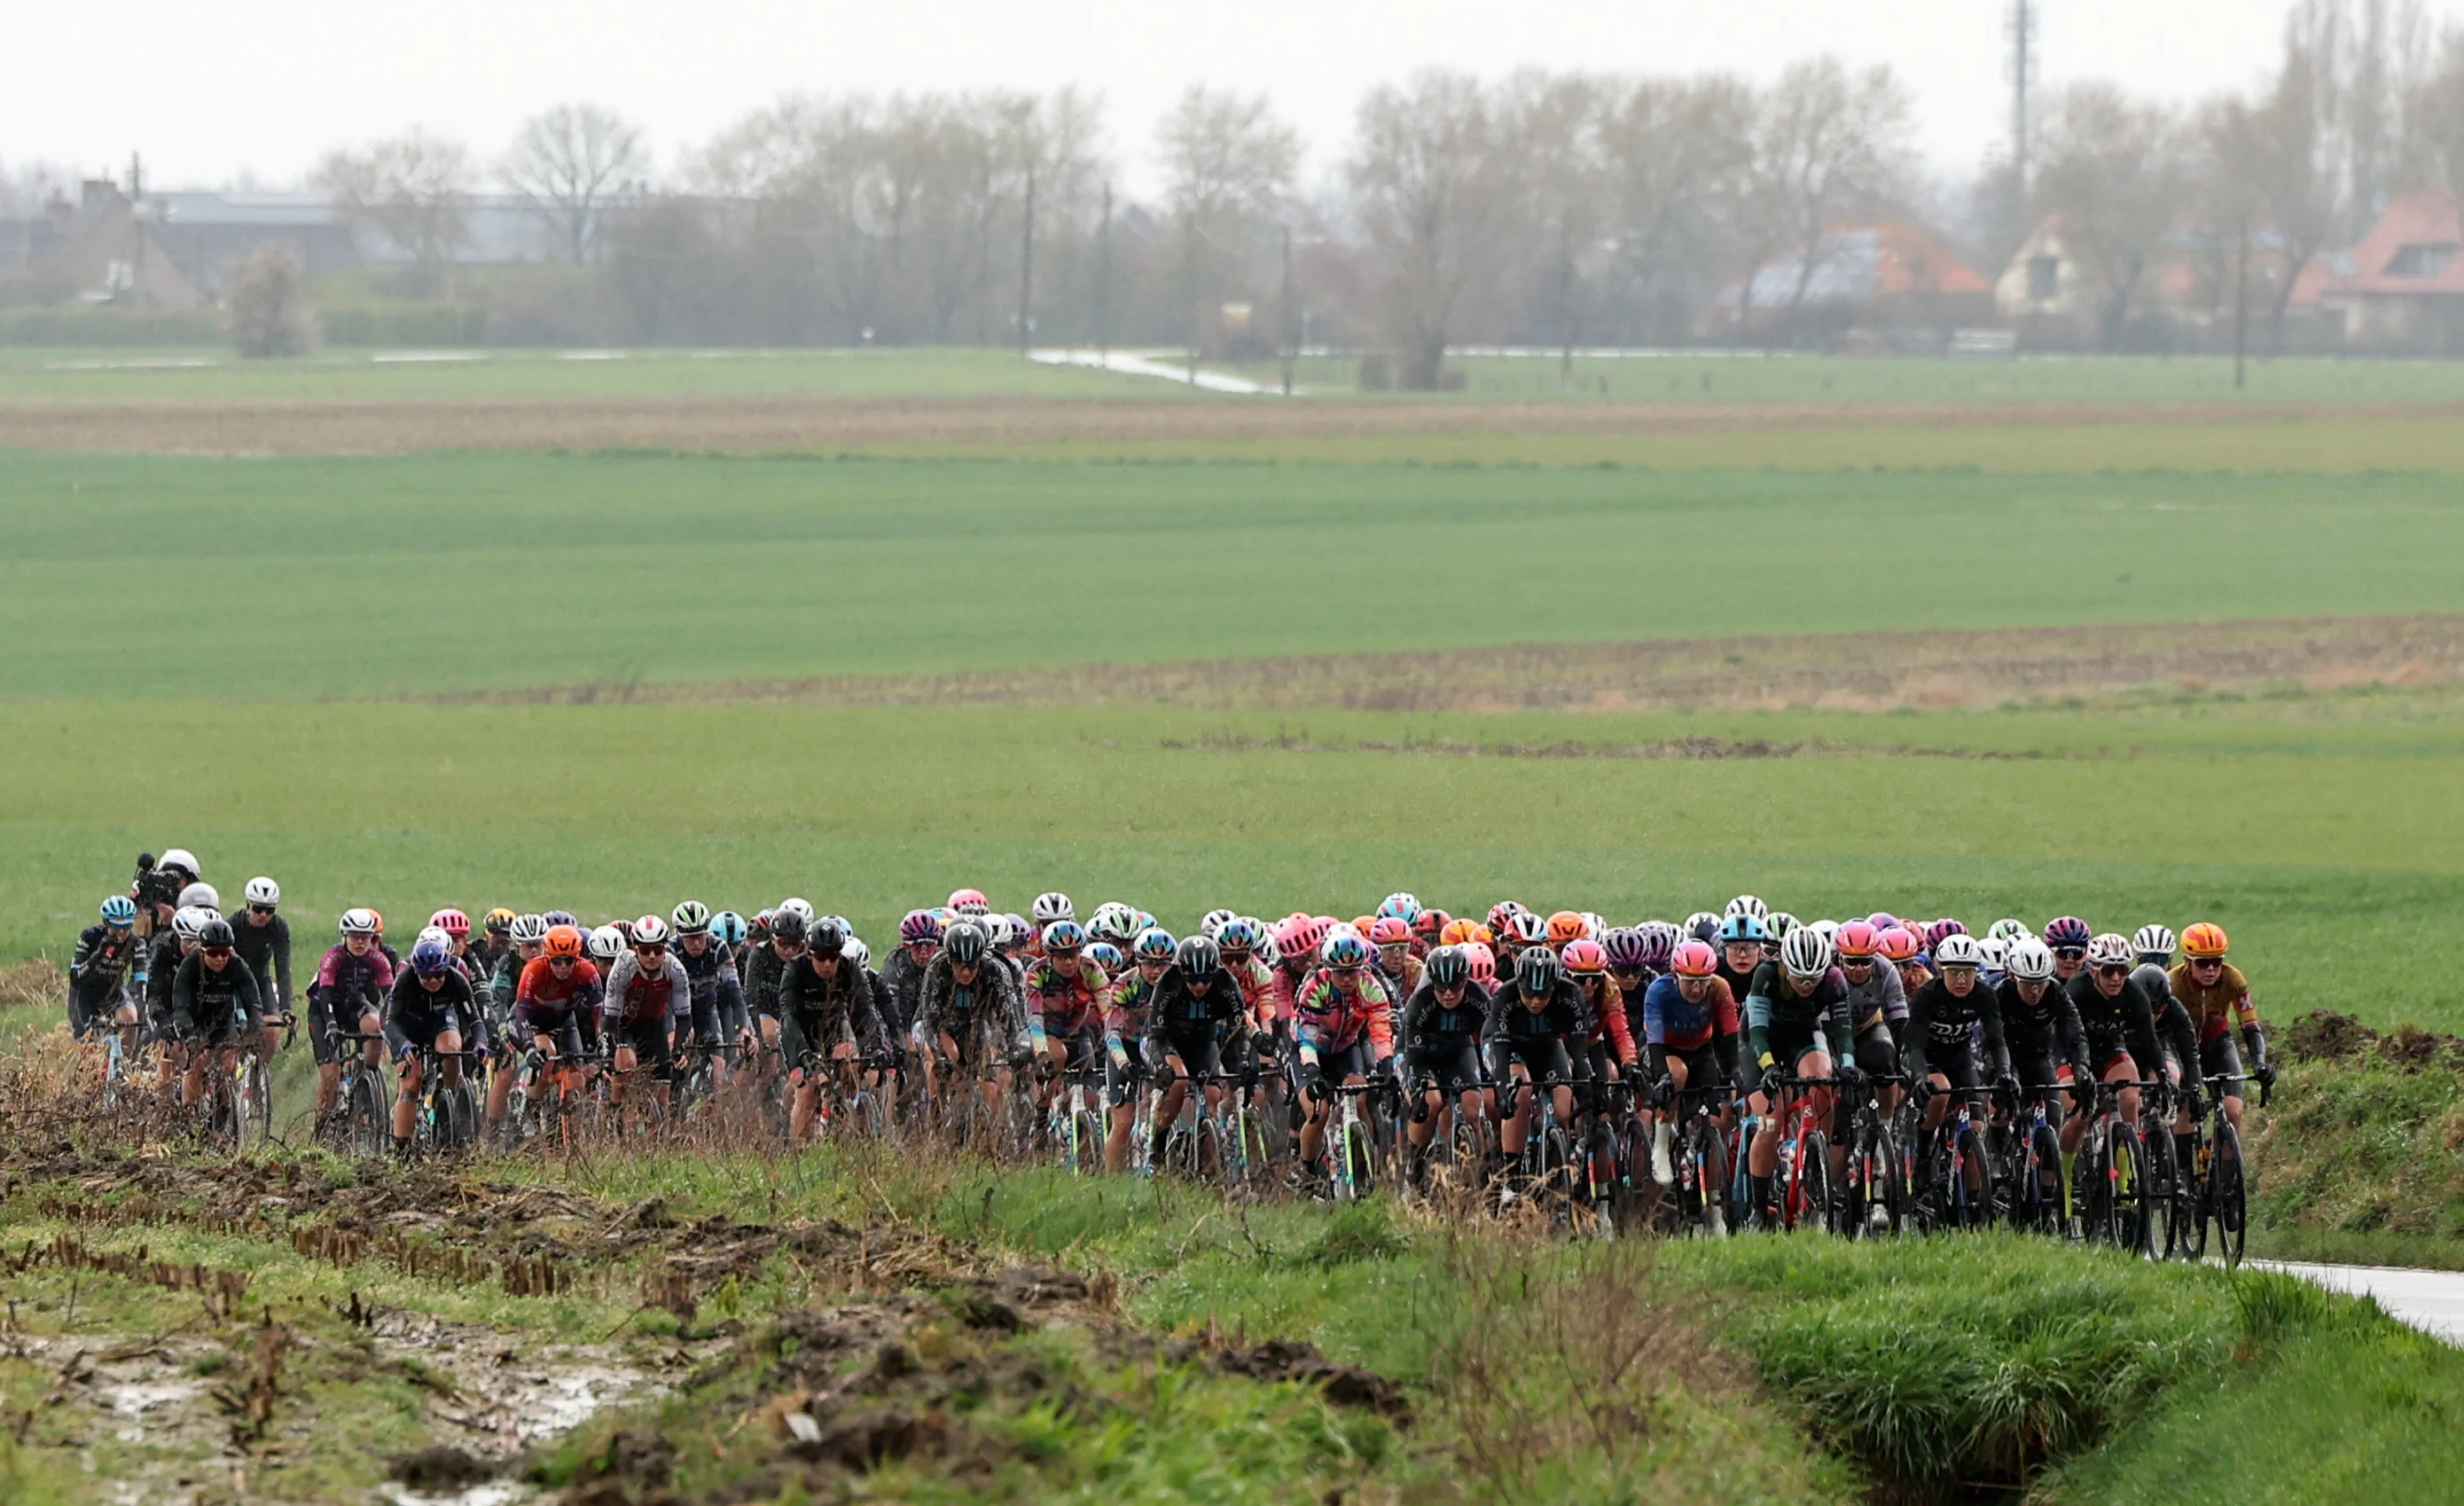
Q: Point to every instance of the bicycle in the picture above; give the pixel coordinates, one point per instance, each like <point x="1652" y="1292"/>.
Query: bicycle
<point x="1959" y="1175"/>
<point x="2034" y="1199"/>
<point x="446" y="1116"/>
<point x="528" y="1109"/>
<point x="1547" y="1157"/>
<point x="1875" y="1187"/>
<point x="237" y="1101"/>
<point x="2219" y="1178"/>
<point x="1802" y="1177"/>
<point x="1698" y="1197"/>
<point x="1351" y="1150"/>
<point x="364" y="1122"/>
<point x="2112" y="1164"/>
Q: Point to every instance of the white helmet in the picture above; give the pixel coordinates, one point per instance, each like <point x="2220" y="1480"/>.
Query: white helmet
<point x="606" y="941"/>
<point x="187" y="922"/>
<point x="1828" y="930"/>
<point x="2106" y="950"/>
<point x="181" y="858"/>
<point x="855" y="951"/>
<point x="1805" y="953"/>
<point x="1995" y="951"/>
<point x="2030" y="960"/>
<point x="434" y="933"/>
<point x="359" y="921"/>
<point x="1214" y="922"/>
<point x="203" y="897"/>
<point x="1747" y="904"/>
<point x="529" y="928"/>
<point x="2154" y="940"/>
<point x="801" y="909"/>
<point x="649" y="931"/>
<point x="1049" y="906"/>
<point x="1595" y="925"/>
<point x="263" y="891"/>
<point x="1959" y="951"/>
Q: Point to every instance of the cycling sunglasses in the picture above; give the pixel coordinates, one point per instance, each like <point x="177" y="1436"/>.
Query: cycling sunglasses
<point x="260" y="909"/>
<point x="2113" y="970"/>
<point x="2070" y="954"/>
<point x="2207" y="962"/>
<point x="217" y="954"/>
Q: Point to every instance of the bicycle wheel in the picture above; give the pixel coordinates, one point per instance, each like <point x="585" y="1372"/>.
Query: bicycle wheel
<point x="254" y="1104"/>
<point x="1354" y="1177"/>
<point x="367" y="1126"/>
<point x="1811" y="1207"/>
<point x="1087" y="1141"/>
<point x="2168" y="1199"/>
<point x="1860" y="1190"/>
<point x="1975" y="1188"/>
<point x="2043" y="1196"/>
<point x="2228" y="1193"/>
<point x="2128" y="1226"/>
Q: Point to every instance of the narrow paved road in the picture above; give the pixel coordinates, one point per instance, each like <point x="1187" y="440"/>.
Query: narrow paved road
<point x="2429" y="1300"/>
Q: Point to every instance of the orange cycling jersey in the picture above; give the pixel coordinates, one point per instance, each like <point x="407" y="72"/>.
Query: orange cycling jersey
<point x="2219" y="1005"/>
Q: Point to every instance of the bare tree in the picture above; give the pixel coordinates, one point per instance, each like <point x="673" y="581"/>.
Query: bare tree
<point x="2267" y="172"/>
<point x="1228" y="167"/>
<point x="2111" y="171"/>
<point x="268" y="305"/>
<point x="2440" y="111"/>
<point x="1825" y="140"/>
<point x="1430" y="189"/>
<point x="2363" y="61"/>
<point x="570" y="162"/>
<point x="414" y="189"/>
<point x="1551" y="126"/>
<point x="1679" y="154"/>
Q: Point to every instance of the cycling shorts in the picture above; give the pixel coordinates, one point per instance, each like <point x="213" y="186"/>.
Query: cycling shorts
<point x="1543" y="1057"/>
<point x="2221" y="1057"/>
<point x="1345" y="1062"/>
<point x="1793" y="1041"/>
<point x="1702" y="1065"/>
<point x="1956" y="1063"/>
<point x="1451" y="1061"/>
<point x="648" y="1042"/>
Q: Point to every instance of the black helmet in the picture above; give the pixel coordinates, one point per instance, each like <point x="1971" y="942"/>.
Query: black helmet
<point x="1449" y="967"/>
<point x="787" y="927"/>
<point x="1198" y="956"/>
<point x="215" y="932"/>
<point x="964" y="943"/>
<point x="825" y="936"/>
<point x="1536" y="970"/>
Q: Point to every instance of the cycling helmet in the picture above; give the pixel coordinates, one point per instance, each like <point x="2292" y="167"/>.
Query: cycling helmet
<point x="1703" y="926"/>
<point x="1014" y="933"/>
<point x="262" y="891"/>
<point x="1745" y="904"/>
<point x="431" y="955"/>
<point x="2031" y="960"/>
<point x="1430" y="925"/>
<point x="1389" y="930"/>
<point x="1624" y="948"/>
<point x="1120" y="927"/>
<point x="1196" y="956"/>
<point x="2205" y="940"/>
<point x="563" y="941"/>
<point x="561" y="918"/>
<point x="1899" y="944"/>
<point x="216" y="933"/>
<point x="1239" y="934"/>
<point x="969" y="901"/>
<point x="181" y="858"/>
<point x="1693" y="960"/>
<point x="2066" y="931"/>
<point x="729" y="927"/>
<point x="1104" y="954"/>
<point x="995" y="930"/>
<point x="358" y="921"/>
<point x="2108" y="950"/>
<point x="1779" y="923"/>
<point x="1460" y="933"/>
<point x="1402" y="904"/>
<point x="119" y="910"/>
<point x="1063" y="936"/>
<point x="201" y="897"/>
<point x="499" y="921"/>
<point x="1740" y="928"/>
<point x="856" y="952"/>
<point x="2154" y="940"/>
<point x="829" y="934"/>
<point x="692" y="917"/>
<point x="452" y="922"/>
<point x="1959" y="950"/>
<point x="1267" y="951"/>
<point x="1883" y="920"/>
<point x="623" y="928"/>
<point x="649" y="931"/>
<point x="1104" y="913"/>
<point x="1595" y="925"/>
<point x="1536" y="972"/>
<point x="1308" y="933"/>
<point x="1564" y="926"/>
<point x="919" y="926"/>
<point x="1345" y="949"/>
<point x="1805" y="953"/>
<point x="1482" y="964"/>
<point x="1050" y="906"/>
<point x="1995" y="951"/>
<point x="1212" y="927"/>
<point x="529" y="929"/>
<point x="187" y="922"/>
<point x="1527" y="928"/>
<point x="1499" y="911"/>
<point x="801" y="909"/>
<point x="1448" y="967"/>
<point x="605" y="942"/>
<point x="1659" y="940"/>
<point x="2009" y="929"/>
<point x="1155" y="945"/>
<point x="787" y="927"/>
<point x="1935" y="933"/>
<point x="1856" y="941"/>
<point x="1585" y="958"/>
<point x="965" y="943"/>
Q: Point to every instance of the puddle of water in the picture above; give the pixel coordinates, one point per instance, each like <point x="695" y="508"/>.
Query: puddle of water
<point x="491" y="1492"/>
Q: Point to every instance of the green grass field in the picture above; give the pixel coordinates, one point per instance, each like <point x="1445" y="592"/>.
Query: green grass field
<point x="353" y="577"/>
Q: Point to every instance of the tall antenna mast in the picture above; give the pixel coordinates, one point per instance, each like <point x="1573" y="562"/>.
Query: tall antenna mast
<point x="2022" y="27"/>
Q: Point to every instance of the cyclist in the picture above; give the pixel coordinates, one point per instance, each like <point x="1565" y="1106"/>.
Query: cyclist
<point x="1066" y="995"/>
<point x="765" y="973"/>
<point x="2217" y="998"/>
<point x="1607" y="1038"/>
<point x="828" y="1013"/>
<point x="177" y="942"/>
<point x="970" y="1015"/>
<point x="556" y="1009"/>
<point x="1343" y="1026"/>
<point x="353" y="981"/>
<point x="1796" y="1013"/>
<point x="99" y="973"/>
<point x="1524" y="930"/>
<point x="1741" y="950"/>
<point x="496" y="941"/>
<point x="1899" y="946"/>
<point x="646" y="990"/>
<point x="1534" y="1034"/>
<point x="1397" y="965"/>
<point x="215" y="1003"/>
<point x="431" y="1001"/>
<point x="524" y="940"/>
<point x="263" y="940"/>
<point x="717" y="1006"/>
<point x="2040" y="1028"/>
<point x="2120" y="1026"/>
<point x="1689" y="1031"/>
<point x="902" y="971"/>
<point x="1126" y="1026"/>
<point x="1196" y="1022"/>
<point x="1440" y="1043"/>
<point x="1945" y="1018"/>
<point x="2068" y="936"/>
<point x="1878" y="1004"/>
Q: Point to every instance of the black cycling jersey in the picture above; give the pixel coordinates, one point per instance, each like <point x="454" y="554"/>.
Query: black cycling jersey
<point x="2117" y="1022"/>
<point x="903" y="982"/>
<point x="1174" y="1010"/>
<point x="1772" y="1003"/>
<point x="1428" y="1025"/>
<point x="202" y="997"/>
<point x="266" y="950"/>
<point x="1942" y="1024"/>
<point x="2045" y="1032"/>
<point x="99" y="969"/>
<point x="415" y="1012"/>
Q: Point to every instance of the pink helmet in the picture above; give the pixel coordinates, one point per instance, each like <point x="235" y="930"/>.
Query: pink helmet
<point x="1482" y="963"/>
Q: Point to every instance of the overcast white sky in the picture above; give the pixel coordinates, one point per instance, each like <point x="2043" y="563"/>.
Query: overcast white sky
<point x="209" y="90"/>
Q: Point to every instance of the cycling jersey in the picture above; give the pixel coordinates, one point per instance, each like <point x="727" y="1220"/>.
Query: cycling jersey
<point x="98" y="967"/>
<point x="1256" y="983"/>
<point x="544" y="1004"/>
<point x="212" y="1002"/>
<point x="639" y="995"/>
<point x="833" y="1011"/>
<point x="904" y="983"/>
<point x="1429" y="1026"/>
<point x="1327" y="1020"/>
<point x="1070" y="1002"/>
<point x="1670" y="1020"/>
<point x="764" y="971"/>
<point x="1880" y="1000"/>
<point x="2040" y="1035"/>
<point x="266" y="950"/>
<point x="1942" y="1027"/>
<point x="348" y="986"/>
<point x="1511" y="1017"/>
<point x="713" y="975"/>
<point x="1604" y="1022"/>
<point x="1774" y="1009"/>
<point x="1125" y="1017"/>
<point x="416" y="1014"/>
<point x="990" y="1005"/>
<point x="161" y="966"/>
<point x="2215" y="1007"/>
<point x="2115" y="1024"/>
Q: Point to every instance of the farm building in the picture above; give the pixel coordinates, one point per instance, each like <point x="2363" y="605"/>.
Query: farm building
<point x="2400" y="289"/>
<point x="1892" y="280"/>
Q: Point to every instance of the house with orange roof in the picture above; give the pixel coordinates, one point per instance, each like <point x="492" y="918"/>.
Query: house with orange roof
<point x="2400" y="289"/>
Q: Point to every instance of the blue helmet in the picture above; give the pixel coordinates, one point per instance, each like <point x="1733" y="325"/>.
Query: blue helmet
<point x="119" y="910"/>
<point x="729" y="927"/>
<point x="431" y="957"/>
<point x="1155" y="945"/>
<point x="1742" y="928"/>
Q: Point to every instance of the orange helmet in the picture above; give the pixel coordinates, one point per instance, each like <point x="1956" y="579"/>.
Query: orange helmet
<point x="380" y="915"/>
<point x="2205" y="940"/>
<point x="1362" y="923"/>
<point x="1460" y="933"/>
<point x="1898" y="944"/>
<point x="563" y="941"/>
<point x="1389" y="930"/>
<point x="1566" y="926"/>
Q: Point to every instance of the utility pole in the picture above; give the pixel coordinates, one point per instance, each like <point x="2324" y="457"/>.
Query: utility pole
<point x="1104" y="278"/>
<point x="1026" y="269"/>
<point x="2023" y="25"/>
<point x="2241" y="310"/>
<point x="1283" y="315"/>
